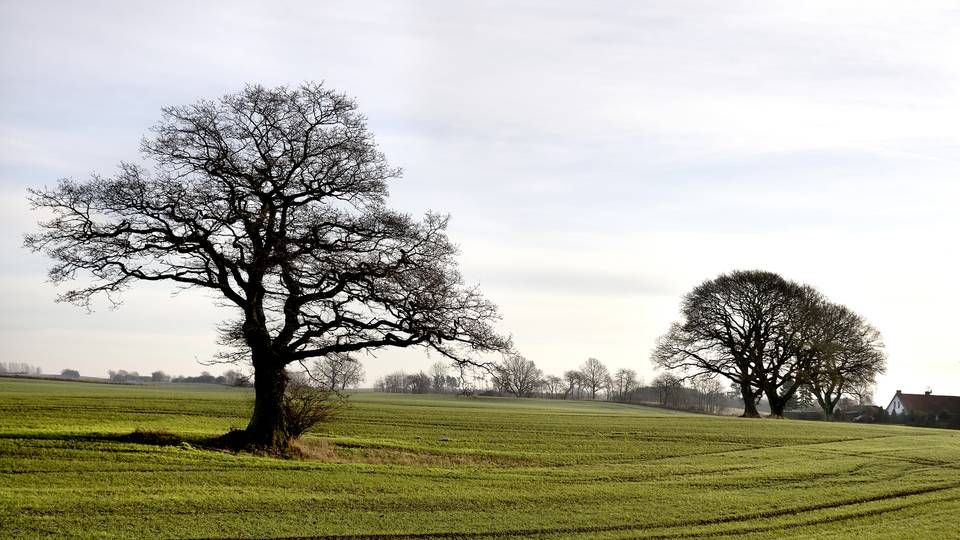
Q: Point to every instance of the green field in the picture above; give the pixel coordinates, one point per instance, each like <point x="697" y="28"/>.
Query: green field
<point x="412" y="466"/>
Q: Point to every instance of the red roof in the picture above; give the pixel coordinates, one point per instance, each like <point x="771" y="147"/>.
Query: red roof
<point x="930" y="404"/>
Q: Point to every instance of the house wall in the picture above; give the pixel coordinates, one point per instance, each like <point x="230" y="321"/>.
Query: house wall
<point x="896" y="406"/>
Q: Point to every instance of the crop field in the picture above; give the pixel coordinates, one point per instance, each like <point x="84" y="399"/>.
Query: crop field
<point x="404" y="466"/>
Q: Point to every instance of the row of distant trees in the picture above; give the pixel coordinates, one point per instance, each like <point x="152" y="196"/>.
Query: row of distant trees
<point x="18" y="368"/>
<point x="520" y="377"/>
<point x="230" y="377"/>
<point x="337" y="372"/>
<point x="438" y="381"/>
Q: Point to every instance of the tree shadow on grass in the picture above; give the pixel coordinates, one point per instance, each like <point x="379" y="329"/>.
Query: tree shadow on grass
<point x="152" y="437"/>
<point x="234" y="441"/>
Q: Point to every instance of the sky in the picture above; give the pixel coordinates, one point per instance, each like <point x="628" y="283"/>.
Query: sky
<point x="599" y="159"/>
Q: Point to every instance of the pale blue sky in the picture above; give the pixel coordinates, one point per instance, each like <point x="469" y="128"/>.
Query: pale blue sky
<point x="599" y="159"/>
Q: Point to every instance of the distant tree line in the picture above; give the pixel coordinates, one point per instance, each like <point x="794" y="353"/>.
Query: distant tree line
<point x="520" y="377"/>
<point x="437" y="381"/>
<point x="18" y="368"/>
<point x="229" y="378"/>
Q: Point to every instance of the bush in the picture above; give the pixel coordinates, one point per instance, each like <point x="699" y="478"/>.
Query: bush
<point x="305" y="406"/>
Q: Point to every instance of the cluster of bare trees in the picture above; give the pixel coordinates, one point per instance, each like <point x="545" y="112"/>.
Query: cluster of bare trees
<point x="520" y="377"/>
<point x="703" y="394"/>
<point x="593" y="379"/>
<point x="771" y="338"/>
<point x="438" y="381"/>
<point x="336" y="372"/>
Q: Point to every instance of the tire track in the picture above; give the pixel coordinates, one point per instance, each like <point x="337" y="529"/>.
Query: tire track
<point x="637" y="527"/>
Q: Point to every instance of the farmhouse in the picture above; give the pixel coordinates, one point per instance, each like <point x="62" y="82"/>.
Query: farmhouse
<point x="926" y="408"/>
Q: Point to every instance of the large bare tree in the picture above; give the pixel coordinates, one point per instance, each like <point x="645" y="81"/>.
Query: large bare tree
<point x="274" y="199"/>
<point x="728" y="326"/>
<point x="848" y="357"/>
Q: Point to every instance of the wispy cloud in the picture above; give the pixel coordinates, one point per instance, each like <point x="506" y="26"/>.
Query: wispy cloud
<point x="598" y="159"/>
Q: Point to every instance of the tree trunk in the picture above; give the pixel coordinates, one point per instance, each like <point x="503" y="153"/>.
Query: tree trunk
<point x="749" y="402"/>
<point x="829" y="408"/>
<point x="267" y="428"/>
<point x="777" y="404"/>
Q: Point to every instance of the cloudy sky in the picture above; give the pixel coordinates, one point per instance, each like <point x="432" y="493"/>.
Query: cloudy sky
<point x="599" y="158"/>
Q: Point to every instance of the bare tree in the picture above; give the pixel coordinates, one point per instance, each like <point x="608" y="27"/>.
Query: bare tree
<point x="595" y="376"/>
<point x="553" y="385"/>
<point x="438" y="374"/>
<point x="669" y="387"/>
<point x="574" y="380"/>
<point x="232" y="377"/>
<point x="624" y="382"/>
<point x="709" y="393"/>
<point x="336" y="372"/>
<point x="418" y="383"/>
<point x="305" y="405"/>
<point x="393" y="382"/>
<point x="274" y="199"/>
<point x="848" y="357"/>
<point x="519" y="376"/>
<point x="730" y="326"/>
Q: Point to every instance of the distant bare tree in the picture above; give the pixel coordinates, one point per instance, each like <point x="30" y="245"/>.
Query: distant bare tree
<point x="418" y="383"/>
<point x="574" y="380"/>
<point x="519" y="376"/>
<point x="595" y="376"/>
<point x="624" y="382"/>
<point x="553" y="385"/>
<point x="337" y="372"/>
<point x="393" y="382"/>
<point x="159" y="377"/>
<point x="669" y="388"/>
<point x="709" y="393"/>
<point x="438" y="374"/>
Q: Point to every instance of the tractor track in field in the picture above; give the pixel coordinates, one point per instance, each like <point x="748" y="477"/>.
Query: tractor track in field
<point x="666" y="534"/>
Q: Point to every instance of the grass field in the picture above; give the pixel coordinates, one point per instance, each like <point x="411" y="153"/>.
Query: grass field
<point x="414" y="466"/>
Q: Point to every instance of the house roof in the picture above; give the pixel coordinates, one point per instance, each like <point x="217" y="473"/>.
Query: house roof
<point x="929" y="403"/>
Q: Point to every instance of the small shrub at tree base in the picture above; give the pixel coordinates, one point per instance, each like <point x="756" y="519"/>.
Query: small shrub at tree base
<point x="305" y="406"/>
